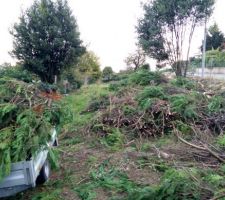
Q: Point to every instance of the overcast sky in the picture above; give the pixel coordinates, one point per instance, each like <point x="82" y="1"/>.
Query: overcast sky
<point x="107" y="26"/>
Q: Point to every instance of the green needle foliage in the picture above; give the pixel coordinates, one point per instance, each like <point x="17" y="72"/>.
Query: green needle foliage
<point x="216" y="104"/>
<point x="149" y="95"/>
<point x="185" y="105"/>
<point x="26" y="122"/>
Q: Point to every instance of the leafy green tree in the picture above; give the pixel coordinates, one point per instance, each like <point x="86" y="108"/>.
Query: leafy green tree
<point x="167" y="25"/>
<point x="46" y="39"/>
<point x="89" y="67"/>
<point x="107" y="73"/>
<point x="215" y="58"/>
<point x="215" y="38"/>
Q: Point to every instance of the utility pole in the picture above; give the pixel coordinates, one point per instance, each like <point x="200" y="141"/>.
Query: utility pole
<point x="204" y="50"/>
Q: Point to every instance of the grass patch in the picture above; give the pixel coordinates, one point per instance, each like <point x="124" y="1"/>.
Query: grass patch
<point x="53" y="195"/>
<point x="114" y="181"/>
<point x="80" y="100"/>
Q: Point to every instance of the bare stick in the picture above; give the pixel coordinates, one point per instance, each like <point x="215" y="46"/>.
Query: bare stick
<point x="219" y="197"/>
<point x="205" y="148"/>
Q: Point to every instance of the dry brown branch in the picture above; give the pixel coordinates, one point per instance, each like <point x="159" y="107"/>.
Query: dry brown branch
<point x="205" y="148"/>
<point x="218" y="197"/>
<point x="190" y="144"/>
<point x="214" y="154"/>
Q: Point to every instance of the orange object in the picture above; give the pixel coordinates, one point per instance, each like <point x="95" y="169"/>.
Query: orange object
<point x="38" y="109"/>
<point x="51" y="95"/>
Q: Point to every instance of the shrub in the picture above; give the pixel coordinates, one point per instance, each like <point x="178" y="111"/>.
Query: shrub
<point x="216" y="103"/>
<point x="145" y="67"/>
<point x="129" y="110"/>
<point x="184" y="105"/>
<point x="118" y="85"/>
<point x="146" y="77"/>
<point x="215" y="180"/>
<point x="184" y="83"/>
<point x="149" y="95"/>
<point x="98" y="103"/>
<point x="177" y="185"/>
<point x="114" y="86"/>
<point x="18" y="73"/>
<point x="113" y="139"/>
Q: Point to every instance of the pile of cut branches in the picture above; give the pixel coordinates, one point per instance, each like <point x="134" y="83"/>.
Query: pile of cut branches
<point x="151" y="122"/>
<point x="153" y="110"/>
<point x="27" y="115"/>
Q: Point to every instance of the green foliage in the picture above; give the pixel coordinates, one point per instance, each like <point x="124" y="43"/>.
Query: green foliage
<point x="31" y="134"/>
<point x="129" y="110"/>
<point x="59" y="115"/>
<point x="215" y="58"/>
<point x="113" y="139"/>
<point x="185" y="105"/>
<point x="110" y="179"/>
<point x="164" y="19"/>
<point x="215" y="180"/>
<point x="184" y="83"/>
<point x="140" y="77"/>
<point x="118" y="85"/>
<point x="26" y="122"/>
<point x="184" y="128"/>
<point x="177" y="185"/>
<point x="146" y="146"/>
<point x="216" y="38"/>
<point x="145" y="67"/>
<point x="74" y="81"/>
<point x="53" y="157"/>
<point x="26" y="137"/>
<point x="78" y="104"/>
<point x="107" y="74"/>
<point x="53" y="195"/>
<point x="145" y="77"/>
<point x="98" y="103"/>
<point x="216" y="104"/>
<point x="6" y="137"/>
<point x="46" y="39"/>
<point x="88" y="67"/>
<point x="17" y="72"/>
<point x="149" y="95"/>
<point x="114" y="86"/>
<point x="7" y="110"/>
<point x="221" y="141"/>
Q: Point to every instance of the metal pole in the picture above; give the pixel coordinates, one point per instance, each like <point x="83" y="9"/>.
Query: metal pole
<point x="204" y="50"/>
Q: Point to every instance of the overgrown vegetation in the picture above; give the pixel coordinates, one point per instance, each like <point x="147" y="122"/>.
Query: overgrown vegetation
<point x="157" y="139"/>
<point x="27" y="116"/>
<point x="17" y="72"/>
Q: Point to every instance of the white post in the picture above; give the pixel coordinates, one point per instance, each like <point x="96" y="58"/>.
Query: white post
<point x="55" y="81"/>
<point x="204" y="50"/>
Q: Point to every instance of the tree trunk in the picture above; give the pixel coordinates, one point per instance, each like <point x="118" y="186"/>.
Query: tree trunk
<point x="178" y="72"/>
<point x="186" y="68"/>
<point x="176" y="66"/>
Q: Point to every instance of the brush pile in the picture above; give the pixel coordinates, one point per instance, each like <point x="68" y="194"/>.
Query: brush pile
<point x="155" y="106"/>
<point x="27" y="115"/>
